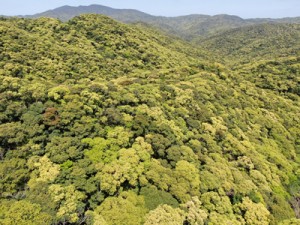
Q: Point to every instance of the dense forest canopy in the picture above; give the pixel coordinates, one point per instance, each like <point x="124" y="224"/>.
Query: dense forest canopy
<point x="106" y="123"/>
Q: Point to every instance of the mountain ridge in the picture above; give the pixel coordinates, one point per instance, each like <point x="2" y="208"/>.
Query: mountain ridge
<point x="186" y="26"/>
<point x="102" y="7"/>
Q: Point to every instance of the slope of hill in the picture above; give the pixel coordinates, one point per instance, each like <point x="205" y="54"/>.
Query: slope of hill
<point x="187" y="27"/>
<point x="106" y="123"/>
<point x="264" y="41"/>
<point x="266" y="54"/>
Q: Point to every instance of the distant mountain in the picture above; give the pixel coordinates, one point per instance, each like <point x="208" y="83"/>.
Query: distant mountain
<point x="187" y="27"/>
<point x="65" y="13"/>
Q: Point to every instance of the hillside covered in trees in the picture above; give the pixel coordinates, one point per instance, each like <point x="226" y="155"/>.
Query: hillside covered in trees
<point x="269" y="41"/>
<point x="106" y="123"/>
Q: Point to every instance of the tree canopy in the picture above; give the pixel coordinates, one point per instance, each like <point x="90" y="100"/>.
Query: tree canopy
<point x="107" y="123"/>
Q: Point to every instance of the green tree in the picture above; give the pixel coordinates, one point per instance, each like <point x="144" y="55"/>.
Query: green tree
<point x="165" y="215"/>
<point x="194" y="212"/>
<point x="126" y="209"/>
<point x="22" y="212"/>
<point x="69" y="202"/>
<point x="187" y="181"/>
<point x="253" y="213"/>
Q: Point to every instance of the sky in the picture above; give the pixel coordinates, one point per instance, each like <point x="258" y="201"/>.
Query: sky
<point x="242" y="8"/>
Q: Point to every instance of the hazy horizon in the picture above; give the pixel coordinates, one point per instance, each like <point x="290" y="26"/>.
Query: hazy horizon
<point x="249" y="9"/>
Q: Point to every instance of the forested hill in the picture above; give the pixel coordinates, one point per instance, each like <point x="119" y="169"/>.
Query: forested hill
<point x="266" y="54"/>
<point x="256" y="42"/>
<point x="107" y="123"/>
<point x="187" y="27"/>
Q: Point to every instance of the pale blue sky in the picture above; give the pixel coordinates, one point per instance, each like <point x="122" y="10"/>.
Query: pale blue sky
<point x="242" y="8"/>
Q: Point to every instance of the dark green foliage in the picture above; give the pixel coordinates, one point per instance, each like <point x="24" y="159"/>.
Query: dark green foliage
<point x="14" y="176"/>
<point x="154" y="197"/>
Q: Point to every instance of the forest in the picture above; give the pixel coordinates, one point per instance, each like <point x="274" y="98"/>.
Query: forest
<point x="105" y="123"/>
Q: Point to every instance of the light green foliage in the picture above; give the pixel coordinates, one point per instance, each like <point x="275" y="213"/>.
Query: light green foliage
<point x="216" y="175"/>
<point x="187" y="181"/>
<point x="126" y="209"/>
<point x="46" y="170"/>
<point x="128" y="168"/>
<point x="22" y="212"/>
<point x="143" y="149"/>
<point x="58" y="93"/>
<point x="194" y="212"/>
<point x="105" y="150"/>
<point x="159" y="175"/>
<point x="120" y="135"/>
<point x="253" y="213"/>
<point x="100" y="151"/>
<point x="68" y="201"/>
<point x="165" y="215"/>
<point x="213" y="202"/>
<point x="116" y="173"/>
